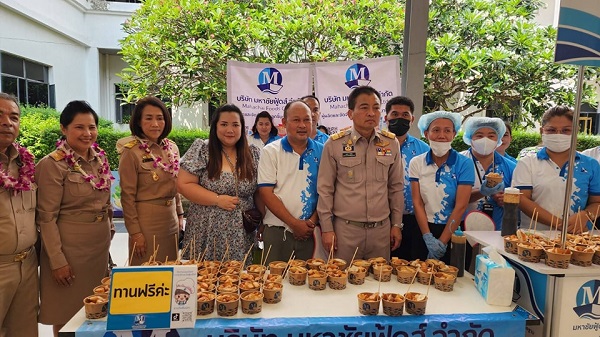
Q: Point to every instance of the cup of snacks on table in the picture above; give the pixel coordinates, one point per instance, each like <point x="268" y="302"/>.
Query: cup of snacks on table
<point x="206" y="303"/>
<point x="393" y="304"/>
<point x="297" y="276"/>
<point x="95" y="306"/>
<point x="341" y="263"/>
<point x="249" y="285"/>
<point x="273" y="292"/>
<point x="273" y="278"/>
<point x="415" y="303"/>
<point x="317" y="280"/>
<point x="227" y="304"/>
<point x="368" y="303"/>
<point x="227" y="287"/>
<point x="314" y="263"/>
<point x="337" y="279"/>
<point x="356" y="275"/>
<point x="406" y="274"/>
<point x="277" y="267"/>
<point x="251" y="302"/>
<point x="558" y="257"/>
<point x="256" y="269"/>
<point x="363" y="263"/>
<point x="382" y="272"/>
<point x="582" y="255"/>
<point x="444" y="281"/>
<point x="396" y="262"/>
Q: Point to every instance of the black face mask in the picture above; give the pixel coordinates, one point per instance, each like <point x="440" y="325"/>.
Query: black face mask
<point x="399" y="126"/>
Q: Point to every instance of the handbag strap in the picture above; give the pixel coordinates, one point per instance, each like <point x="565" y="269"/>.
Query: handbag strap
<point x="233" y="171"/>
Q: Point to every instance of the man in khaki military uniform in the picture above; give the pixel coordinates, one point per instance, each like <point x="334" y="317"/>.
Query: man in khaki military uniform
<point x="19" y="282"/>
<point x="360" y="184"/>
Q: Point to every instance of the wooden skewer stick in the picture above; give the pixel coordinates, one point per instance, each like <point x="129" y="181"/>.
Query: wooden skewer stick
<point x="429" y="283"/>
<point x="262" y="263"/>
<point x="155" y="252"/>
<point x="287" y="266"/>
<point x="353" y="256"/>
<point x="413" y="281"/>
<point x="331" y="250"/>
<point x="531" y="219"/>
<point x="245" y="257"/>
<point x="379" y="285"/>
<point x="132" y="252"/>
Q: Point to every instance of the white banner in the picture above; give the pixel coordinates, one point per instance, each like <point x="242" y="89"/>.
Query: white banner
<point x="256" y="87"/>
<point x="335" y="81"/>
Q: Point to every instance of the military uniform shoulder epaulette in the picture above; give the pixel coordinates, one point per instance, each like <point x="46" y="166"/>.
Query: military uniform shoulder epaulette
<point x="388" y="134"/>
<point x="339" y="135"/>
<point x="126" y="143"/>
<point x="57" y="155"/>
<point x="130" y="144"/>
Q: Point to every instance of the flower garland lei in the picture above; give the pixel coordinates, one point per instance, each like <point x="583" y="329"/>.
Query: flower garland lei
<point x="172" y="166"/>
<point x="26" y="176"/>
<point x="102" y="182"/>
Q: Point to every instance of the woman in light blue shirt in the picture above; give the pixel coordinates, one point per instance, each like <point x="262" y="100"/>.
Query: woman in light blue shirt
<point x="263" y="131"/>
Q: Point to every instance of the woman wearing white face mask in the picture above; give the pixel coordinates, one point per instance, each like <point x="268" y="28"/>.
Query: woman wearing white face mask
<point x="441" y="181"/>
<point x="482" y="133"/>
<point x="542" y="177"/>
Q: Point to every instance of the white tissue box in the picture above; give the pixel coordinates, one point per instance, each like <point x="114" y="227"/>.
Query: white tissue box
<point x="494" y="279"/>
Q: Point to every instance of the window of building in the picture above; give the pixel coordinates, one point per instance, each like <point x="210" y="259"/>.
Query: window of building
<point x="123" y="110"/>
<point x="27" y="80"/>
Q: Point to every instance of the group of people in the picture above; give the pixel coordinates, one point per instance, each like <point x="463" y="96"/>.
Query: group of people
<point x="360" y="193"/>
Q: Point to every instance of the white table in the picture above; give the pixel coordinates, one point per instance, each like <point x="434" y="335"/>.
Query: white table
<point x="552" y="293"/>
<point x="303" y="310"/>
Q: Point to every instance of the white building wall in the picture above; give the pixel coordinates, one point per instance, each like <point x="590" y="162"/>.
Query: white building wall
<point x="67" y="58"/>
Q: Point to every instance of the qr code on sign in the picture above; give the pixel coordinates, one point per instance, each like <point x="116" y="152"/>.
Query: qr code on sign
<point x="186" y="316"/>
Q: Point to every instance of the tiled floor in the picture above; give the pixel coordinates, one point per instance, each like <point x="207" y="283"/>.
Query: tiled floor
<point x="118" y="251"/>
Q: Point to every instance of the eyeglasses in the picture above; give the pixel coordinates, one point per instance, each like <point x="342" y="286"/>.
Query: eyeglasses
<point x="553" y="131"/>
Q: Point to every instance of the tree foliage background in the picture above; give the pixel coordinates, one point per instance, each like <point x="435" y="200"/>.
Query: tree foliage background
<point x="481" y="54"/>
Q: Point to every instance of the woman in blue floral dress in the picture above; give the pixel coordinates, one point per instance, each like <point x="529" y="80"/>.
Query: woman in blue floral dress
<point x="219" y="177"/>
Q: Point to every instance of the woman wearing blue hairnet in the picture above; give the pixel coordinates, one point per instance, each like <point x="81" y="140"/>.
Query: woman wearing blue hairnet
<point x="484" y="135"/>
<point x="542" y="177"/>
<point x="441" y="181"/>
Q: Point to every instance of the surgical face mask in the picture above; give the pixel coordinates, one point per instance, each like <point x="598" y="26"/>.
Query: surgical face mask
<point x="484" y="146"/>
<point x="399" y="126"/>
<point x="557" y="142"/>
<point x="439" y="149"/>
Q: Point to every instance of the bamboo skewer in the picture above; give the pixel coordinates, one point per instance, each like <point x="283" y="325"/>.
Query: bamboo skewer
<point x="413" y="281"/>
<point x="353" y="256"/>
<point x="262" y="263"/>
<point x="331" y="251"/>
<point x="429" y="283"/>
<point x="245" y="257"/>
<point x="379" y="285"/>
<point x="287" y="267"/>
<point x="132" y="252"/>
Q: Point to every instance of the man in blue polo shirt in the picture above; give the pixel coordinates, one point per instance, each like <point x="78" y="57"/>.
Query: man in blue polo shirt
<point x="399" y="117"/>
<point x="287" y="182"/>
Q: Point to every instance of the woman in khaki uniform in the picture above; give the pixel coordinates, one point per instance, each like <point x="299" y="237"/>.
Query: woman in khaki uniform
<point x="74" y="215"/>
<point x="148" y="169"/>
